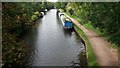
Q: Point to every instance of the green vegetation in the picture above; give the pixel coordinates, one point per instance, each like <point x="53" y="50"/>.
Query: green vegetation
<point x="103" y="16"/>
<point x="91" y="27"/>
<point x="90" y="53"/>
<point x="60" y="5"/>
<point x="17" y="19"/>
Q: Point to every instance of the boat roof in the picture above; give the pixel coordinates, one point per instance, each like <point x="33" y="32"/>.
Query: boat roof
<point x="67" y="19"/>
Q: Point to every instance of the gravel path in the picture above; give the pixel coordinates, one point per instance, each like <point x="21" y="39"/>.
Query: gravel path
<point x="105" y="55"/>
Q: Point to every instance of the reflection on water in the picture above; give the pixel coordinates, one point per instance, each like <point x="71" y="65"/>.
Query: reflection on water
<point x="51" y="45"/>
<point x="68" y="32"/>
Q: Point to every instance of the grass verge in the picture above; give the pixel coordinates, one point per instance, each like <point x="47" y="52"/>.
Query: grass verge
<point x="89" y="51"/>
<point x="90" y="27"/>
<point x="91" y="59"/>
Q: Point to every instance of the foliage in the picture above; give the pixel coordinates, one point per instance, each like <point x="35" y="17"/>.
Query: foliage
<point x="61" y="5"/>
<point x="104" y="16"/>
<point x="49" y="5"/>
<point x="17" y="18"/>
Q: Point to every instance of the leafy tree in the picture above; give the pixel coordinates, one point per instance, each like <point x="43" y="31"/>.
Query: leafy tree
<point x="16" y="20"/>
<point x="104" y="16"/>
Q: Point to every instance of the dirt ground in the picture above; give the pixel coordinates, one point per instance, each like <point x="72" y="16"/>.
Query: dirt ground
<point x="105" y="55"/>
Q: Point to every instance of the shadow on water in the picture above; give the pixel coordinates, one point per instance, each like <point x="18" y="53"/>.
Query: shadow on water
<point x="68" y="32"/>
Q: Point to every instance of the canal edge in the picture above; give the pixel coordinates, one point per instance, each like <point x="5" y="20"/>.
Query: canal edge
<point x="90" y="56"/>
<point x="83" y="41"/>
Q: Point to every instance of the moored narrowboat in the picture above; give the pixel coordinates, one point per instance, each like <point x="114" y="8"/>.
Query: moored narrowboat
<point x="67" y="23"/>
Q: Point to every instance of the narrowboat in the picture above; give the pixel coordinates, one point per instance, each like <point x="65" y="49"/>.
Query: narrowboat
<point x="41" y="14"/>
<point x="67" y="23"/>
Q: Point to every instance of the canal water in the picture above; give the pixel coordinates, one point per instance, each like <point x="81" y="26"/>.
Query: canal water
<point x="51" y="45"/>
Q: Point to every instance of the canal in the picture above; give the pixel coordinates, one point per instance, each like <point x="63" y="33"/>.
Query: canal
<point x="51" y="45"/>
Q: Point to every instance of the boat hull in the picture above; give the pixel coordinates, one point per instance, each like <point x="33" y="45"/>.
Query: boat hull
<point x="66" y="24"/>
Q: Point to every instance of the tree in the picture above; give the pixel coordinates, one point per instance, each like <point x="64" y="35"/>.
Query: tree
<point x="104" y="16"/>
<point x="16" y="20"/>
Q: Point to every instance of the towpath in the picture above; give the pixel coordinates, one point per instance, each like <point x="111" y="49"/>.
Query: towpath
<point x="105" y="55"/>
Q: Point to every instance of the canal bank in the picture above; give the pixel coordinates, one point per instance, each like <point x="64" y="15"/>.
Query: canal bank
<point x="99" y="51"/>
<point x="91" y="60"/>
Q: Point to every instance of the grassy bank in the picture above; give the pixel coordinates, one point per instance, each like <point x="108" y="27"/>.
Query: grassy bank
<point x="89" y="51"/>
<point x="91" y="27"/>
